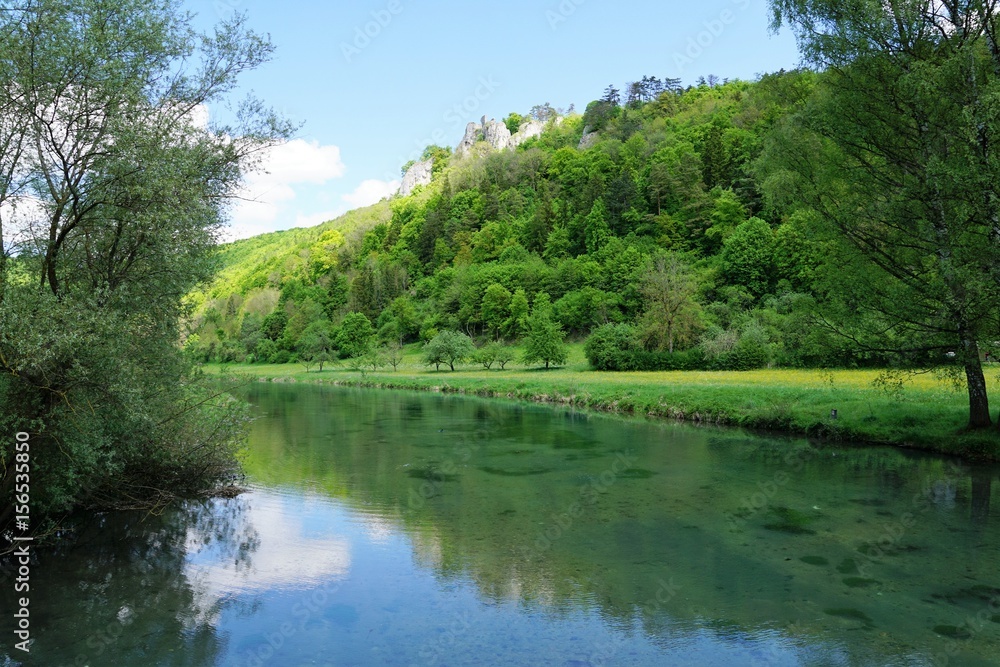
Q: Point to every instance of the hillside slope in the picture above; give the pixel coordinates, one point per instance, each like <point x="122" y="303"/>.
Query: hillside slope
<point x="651" y="216"/>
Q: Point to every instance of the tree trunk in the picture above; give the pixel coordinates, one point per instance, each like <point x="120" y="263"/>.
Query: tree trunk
<point x="979" y="402"/>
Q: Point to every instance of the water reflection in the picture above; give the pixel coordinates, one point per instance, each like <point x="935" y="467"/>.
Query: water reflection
<point x="122" y="591"/>
<point x="789" y="547"/>
<point x="400" y="529"/>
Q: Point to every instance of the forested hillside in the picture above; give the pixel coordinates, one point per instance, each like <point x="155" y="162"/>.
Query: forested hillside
<point x="651" y="218"/>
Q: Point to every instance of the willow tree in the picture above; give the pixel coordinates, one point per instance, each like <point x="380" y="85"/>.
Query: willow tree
<point x="899" y="153"/>
<point x="114" y="189"/>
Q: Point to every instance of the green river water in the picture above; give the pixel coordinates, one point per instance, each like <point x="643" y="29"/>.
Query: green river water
<point x="387" y="528"/>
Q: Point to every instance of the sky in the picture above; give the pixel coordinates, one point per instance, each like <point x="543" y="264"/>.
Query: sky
<point x="375" y="81"/>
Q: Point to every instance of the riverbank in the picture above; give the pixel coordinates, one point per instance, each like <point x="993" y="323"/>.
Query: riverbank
<point x="925" y="412"/>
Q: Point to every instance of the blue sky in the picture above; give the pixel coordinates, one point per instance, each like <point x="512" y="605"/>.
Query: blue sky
<point x="375" y="81"/>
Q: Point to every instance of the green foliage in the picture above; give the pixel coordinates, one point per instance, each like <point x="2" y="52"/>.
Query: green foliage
<point x="658" y="225"/>
<point x="494" y="353"/>
<point x="616" y="347"/>
<point x="513" y="121"/>
<point x="747" y="257"/>
<point x="897" y="155"/>
<point x="596" y="230"/>
<point x="448" y="347"/>
<point x="544" y="342"/>
<point x="354" y="336"/>
<point x="605" y="345"/>
<point x="440" y="155"/>
<point x="672" y="314"/>
<point x="316" y="344"/>
<point x="496" y="307"/>
<point x="516" y="325"/>
<point x="131" y="196"/>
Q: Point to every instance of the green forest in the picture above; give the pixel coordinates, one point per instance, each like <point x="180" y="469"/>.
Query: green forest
<point x="664" y="238"/>
<point x="668" y="242"/>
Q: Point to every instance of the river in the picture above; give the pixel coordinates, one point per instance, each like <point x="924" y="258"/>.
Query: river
<point x="392" y="528"/>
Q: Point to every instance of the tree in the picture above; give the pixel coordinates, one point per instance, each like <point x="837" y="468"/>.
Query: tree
<point x="393" y="355"/>
<point x="354" y="336"/>
<point x="669" y="288"/>
<point x="485" y="355"/>
<point x="899" y="154"/>
<point x="316" y="345"/>
<point x="545" y="337"/>
<point x="747" y="257"/>
<point x="596" y="229"/>
<point x="448" y="347"/>
<point x="516" y="325"/>
<point x="120" y="195"/>
<point x="503" y="354"/>
<point x="496" y="308"/>
<point x="372" y="359"/>
<point x="543" y="112"/>
<point x="513" y="122"/>
<point x="611" y="96"/>
<point x="714" y="158"/>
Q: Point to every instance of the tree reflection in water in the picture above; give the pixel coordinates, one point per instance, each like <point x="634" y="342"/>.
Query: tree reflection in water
<point x="121" y="592"/>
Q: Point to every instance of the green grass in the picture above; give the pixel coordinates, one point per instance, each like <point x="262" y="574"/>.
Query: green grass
<point x="929" y="413"/>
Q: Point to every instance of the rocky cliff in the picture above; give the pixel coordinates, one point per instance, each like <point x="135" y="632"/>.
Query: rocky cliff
<point x="496" y="135"/>
<point x="419" y="173"/>
<point x="493" y="132"/>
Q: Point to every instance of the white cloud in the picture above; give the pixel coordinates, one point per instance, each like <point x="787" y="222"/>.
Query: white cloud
<point x="271" y="192"/>
<point x="370" y="191"/>
<point x="319" y="558"/>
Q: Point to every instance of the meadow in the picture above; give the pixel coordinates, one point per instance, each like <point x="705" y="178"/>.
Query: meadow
<point x="921" y="411"/>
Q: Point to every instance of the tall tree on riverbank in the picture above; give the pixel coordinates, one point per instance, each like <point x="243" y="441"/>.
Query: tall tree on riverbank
<point x="899" y="152"/>
<point x="114" y="198"/>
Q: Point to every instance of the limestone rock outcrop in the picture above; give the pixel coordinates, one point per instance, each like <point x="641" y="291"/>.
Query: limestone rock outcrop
<point x="528" y="129"/>
<point x="419" y="173"/>
<point x="587" y="140"/>
<point x="493" y="132"/>
<point x="496" y="134"/>
<point x="473" y="134"/>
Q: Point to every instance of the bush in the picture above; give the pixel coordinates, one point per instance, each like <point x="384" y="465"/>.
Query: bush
<point x="645" y="360"/>
<point x="605" y="345"/>
<point x="266" y="349"/>
<point x="613" y="347"/>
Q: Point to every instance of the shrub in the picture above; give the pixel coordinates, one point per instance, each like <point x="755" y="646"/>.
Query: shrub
<point x="604" y="347"/>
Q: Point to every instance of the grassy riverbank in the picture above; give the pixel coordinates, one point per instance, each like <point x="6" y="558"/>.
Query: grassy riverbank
<point x="926" y="412"/>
